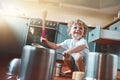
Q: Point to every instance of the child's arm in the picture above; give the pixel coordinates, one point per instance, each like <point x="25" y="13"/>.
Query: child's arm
<point x="75" y="49"/>
<point x="50" y="44"/>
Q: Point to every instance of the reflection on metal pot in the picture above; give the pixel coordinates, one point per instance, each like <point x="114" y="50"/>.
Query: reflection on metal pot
<point x="101" y="66"/>
<point x="37" y="63"/>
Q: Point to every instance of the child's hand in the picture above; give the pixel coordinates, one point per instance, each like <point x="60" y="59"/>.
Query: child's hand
<point x="43" y="40"/>
<point x="66" y="54"/>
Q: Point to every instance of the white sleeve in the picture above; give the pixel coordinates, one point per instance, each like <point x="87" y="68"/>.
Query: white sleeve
<point x="65" y="44"/>
<point x="83" y="41"/>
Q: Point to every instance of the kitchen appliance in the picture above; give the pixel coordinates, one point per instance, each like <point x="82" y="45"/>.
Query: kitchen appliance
<point x="101" y="66"/>
<point x="35" y="31"/>
<point x="37" y="63"/>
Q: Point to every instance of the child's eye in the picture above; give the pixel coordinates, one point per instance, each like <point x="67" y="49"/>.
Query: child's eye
<point x="75" y="27"/>
<point x="81" y="28"/>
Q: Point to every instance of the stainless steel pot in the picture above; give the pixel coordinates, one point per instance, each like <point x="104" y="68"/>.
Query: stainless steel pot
<point x="101" y="66"/>
<point x="13" y="68"/>
<point x="37" y="63"/>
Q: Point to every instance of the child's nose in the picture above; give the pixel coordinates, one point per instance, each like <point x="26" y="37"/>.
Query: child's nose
<point x="78" y="28"/>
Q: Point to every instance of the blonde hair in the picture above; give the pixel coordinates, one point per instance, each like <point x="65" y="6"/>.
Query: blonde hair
<point x="77" y="22"/>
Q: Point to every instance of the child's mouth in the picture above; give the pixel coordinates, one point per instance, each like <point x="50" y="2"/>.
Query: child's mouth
<point x="76" y="33"/>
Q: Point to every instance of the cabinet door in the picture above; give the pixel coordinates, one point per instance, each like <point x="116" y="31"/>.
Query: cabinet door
<point x="62" y="33"/>
<point x="61" y="36"/>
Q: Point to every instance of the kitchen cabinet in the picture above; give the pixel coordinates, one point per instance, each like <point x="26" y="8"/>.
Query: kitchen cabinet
<point x="92" y="45"/>
<point x="115" y="26"/>
<point x="61" y="36"/>
<point x="108" y="37"/>
<point x="104" y="36"/>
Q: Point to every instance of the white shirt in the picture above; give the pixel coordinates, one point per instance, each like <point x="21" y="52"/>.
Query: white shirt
<point x="68" y="44"/>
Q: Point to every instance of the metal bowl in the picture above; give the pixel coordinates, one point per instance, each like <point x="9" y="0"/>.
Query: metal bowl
<point x="13" y="67"/>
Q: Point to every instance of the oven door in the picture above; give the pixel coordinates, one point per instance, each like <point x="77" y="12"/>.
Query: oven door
<point x="34" y="33"/>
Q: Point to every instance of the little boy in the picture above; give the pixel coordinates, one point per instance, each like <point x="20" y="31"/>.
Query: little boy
<point x="75" y="48"/>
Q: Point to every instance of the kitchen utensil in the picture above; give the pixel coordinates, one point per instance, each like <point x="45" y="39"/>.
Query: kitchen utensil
<point x="101" y="66"/>
<point x="37" y="45"/>
<point x="37" y="63"/>
<point x="44" y="14"/>
<point x="58" y="69"/>
<point x="40" y="46"/>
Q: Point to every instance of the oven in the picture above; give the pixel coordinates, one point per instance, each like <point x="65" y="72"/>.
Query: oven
<point x="35" y="29"/>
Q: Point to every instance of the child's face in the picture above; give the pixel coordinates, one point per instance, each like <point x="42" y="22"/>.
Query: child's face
<point x="77" y="32"/>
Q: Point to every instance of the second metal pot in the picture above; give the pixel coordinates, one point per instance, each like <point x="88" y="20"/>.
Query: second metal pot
<point x="101" y="66"/>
